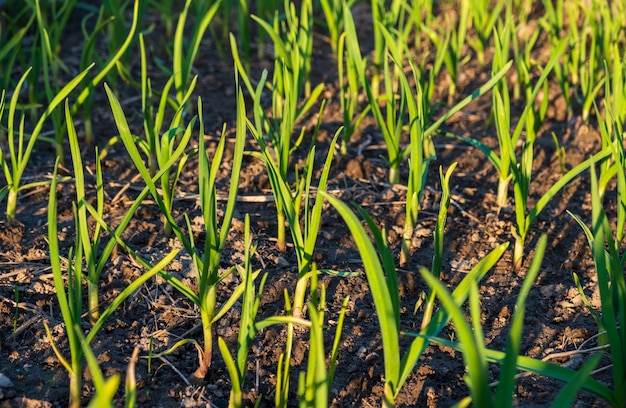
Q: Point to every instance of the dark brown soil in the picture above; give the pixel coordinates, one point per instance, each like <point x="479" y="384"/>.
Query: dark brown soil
<point x="556" y="318"/>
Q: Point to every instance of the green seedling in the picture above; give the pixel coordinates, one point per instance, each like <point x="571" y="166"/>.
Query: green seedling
<point x="88" y="245"/>
<point x="116" y="37"/>
<point x="397" y="103"/>
<point x="428" y="69"/>
<point x="250" y="302"/>
<point x="88" y="55"/>
<point x="605" y="243"/>
<point x="184" y="57"/>
<point x="69" y="295"/>
<point x="418" y="161"/>
<point x="206" y="260"/>
<point x="304" y="227"/>
<point x="391" y="120"/>
<point x="349" y="89"/>
<point x="290" y="83"/>
<point x="248" y="328"/>
<point x="525" y="217"/>
<point x="281" y="397"/>
<point x="333" y="13"/>
<point x="450" y="38"/>
<point x="520" y="46"/>
<point x="265" y="9"/>
<point x="386" y="16"/>
<point x="383" y="282"/>
<point x="21" y="143"/>
<point x="159" y="148"/>
<point x="611" y="125"/>
<point x="484" y="15"/>
<point x="84" y="101"/>
<point x="92" y="238"/>
<point x="315" y="384"/>
<point x="502" y="119"/>
<point x="502" y="110"/>
<point x="51" y="64"/>
<point x="476" y="356"/>
<point x="438" y="235"/>
<point x="519" y="170"/>
<point x="293" y="47"/>
<point x="282" y="380"/>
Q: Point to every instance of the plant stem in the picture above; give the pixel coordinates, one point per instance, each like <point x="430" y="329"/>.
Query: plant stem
<point x="299" y="295"/>
<point x="92" y="301"/>
<point x="503" y="190"/>
<point x="207" y="311"/>
<point x="344" y="147"/>
<point x="518" y="253"/>
<point x="11" y="205"/>
<point x="76" y="385"/>
<point x="167" y="228"/>
<point x="388" y="398"/>
<point x="394" y="174"/>
<point x="281" y="231"/>
<point x="407" y="237"/>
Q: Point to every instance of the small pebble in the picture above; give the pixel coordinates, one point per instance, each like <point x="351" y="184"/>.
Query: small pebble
<point x="5" y="382"/>
<point x="281" y="261"/>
